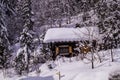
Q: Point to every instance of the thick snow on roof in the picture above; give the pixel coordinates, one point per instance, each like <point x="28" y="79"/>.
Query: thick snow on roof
<point x="71" y="34"/>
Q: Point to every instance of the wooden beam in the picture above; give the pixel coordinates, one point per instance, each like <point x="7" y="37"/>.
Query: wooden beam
<point x="57" y="50"/>
<point x="70" y="49"/>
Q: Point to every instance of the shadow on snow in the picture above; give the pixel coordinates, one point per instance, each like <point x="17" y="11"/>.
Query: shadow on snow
<point x="38" y="78"/>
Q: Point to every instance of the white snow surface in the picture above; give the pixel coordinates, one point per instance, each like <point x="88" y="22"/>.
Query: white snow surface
<point x="71" y="34"/>
<point x="74" y="70"/>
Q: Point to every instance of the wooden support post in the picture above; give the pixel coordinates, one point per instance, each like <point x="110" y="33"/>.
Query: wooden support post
<point x="70" y="49"/>
<point x="57" y="50"/>
<point x="71" y="53"/>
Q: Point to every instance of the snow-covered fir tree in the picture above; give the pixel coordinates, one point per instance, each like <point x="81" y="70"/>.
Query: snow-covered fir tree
<point x="26" y="39"/>
<point x="5" y="11"/>
<point x="25" y="51"/>
<point x="4" y="48"/>
<point x="109" y="22"/>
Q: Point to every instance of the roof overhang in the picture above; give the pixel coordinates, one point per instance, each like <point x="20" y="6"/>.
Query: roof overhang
<point x="71" y="34"/>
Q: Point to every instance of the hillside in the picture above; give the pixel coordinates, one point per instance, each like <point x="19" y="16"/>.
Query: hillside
<point x="74" y="70"/>
<point x="59" y="39"/>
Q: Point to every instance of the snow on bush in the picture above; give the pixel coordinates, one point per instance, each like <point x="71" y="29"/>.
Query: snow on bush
<point x="115" y="75"/>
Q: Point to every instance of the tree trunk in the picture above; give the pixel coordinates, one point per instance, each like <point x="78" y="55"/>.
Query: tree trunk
<point x="112" y="55"/>
<point x="112" y="59"/>
<point x="92" y="61"/>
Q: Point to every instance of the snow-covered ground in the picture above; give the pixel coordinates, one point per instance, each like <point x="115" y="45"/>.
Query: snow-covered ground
<point x="74" y="70"/>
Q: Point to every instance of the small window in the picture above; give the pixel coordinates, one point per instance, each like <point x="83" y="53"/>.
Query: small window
<point x="64" y="49"/>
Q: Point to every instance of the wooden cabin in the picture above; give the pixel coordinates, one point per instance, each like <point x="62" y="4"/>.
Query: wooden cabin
<point x="62" y="41"/>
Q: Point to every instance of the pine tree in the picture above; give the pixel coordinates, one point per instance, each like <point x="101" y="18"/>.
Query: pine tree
<point x="24" y="53"/>
<point x="108" y="14"/>
<point x="5" y="11"/>
<point x="26" y="39"/>
<point x="109" y="23"/>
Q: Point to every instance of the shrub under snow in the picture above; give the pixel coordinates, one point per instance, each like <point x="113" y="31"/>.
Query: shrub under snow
<point x="115" y="75"/>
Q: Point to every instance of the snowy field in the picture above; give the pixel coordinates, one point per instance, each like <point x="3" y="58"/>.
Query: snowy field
<point x="74" y="70"/>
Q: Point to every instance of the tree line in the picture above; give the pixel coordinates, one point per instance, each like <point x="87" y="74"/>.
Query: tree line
<point x="18" y="18"/>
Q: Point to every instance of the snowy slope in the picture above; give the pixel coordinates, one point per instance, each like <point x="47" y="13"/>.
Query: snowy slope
<point x="75" y="70"/>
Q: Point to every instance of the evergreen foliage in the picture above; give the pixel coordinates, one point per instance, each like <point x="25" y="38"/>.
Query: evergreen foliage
<point x="6" y="10"/>
<point x="109" y="23"/>
<point x="25" y="52"/>
<point x="26" y="39"/>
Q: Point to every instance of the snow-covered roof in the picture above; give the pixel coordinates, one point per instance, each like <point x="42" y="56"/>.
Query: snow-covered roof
<point x="71" y="34"/>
